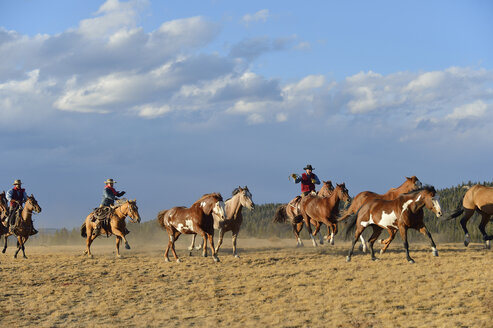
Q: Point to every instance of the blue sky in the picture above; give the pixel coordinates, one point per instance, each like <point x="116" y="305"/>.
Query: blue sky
<point x="174" y="99"/>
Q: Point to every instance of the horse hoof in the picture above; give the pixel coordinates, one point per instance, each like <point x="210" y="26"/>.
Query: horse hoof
<point x="361" y="248"/>
<point x="348" y="259"/>
<point x="204" y="255"/>
<point x="381" y="251"/>
<point x="299" y="245"/>
<point x="487" y="244"/>
<point x="237" y="256"/>
<point x="467" y="240"/>
<point x="332" y="242"/>
<point x="190" y="254"/>
<point x="411" y="261"/>
<point x="178" y="261"/>
<point x="435" y="253"/>
<point x="24" y="257"/>
<point x="127" y="246"/>
<point x="216" y="259"/>
<point x="166" y="259"/>
<point x="374" y="259"/>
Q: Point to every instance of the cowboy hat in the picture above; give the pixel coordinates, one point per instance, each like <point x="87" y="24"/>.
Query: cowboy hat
<point x="17" y="182"/>
<point x="308" y="167"/>
<point x="109" y="181"/>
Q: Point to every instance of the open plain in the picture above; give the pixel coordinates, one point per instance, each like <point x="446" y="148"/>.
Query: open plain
<point x="273" y="284"/>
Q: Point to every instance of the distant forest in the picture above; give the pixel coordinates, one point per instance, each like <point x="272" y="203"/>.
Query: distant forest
<point x="258" y="223"/>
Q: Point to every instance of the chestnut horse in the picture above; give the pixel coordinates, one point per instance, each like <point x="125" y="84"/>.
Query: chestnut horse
<point x="198" y="219"/>
<point x="410" y="184"/>
<point x="323" y="210"/>
<point x="117" y="225"/>
<point x="232" y="206"/>
<point x="23" y="229"/>
<point x="477" y="199"/>
<point x="402" y="213"/>
<point x="290" y="213"/>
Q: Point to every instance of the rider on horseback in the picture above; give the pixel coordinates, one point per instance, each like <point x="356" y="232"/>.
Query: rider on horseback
<point x="308" y="180"/>
<point x="16" y="198"/>
<point x="109" y="197"/>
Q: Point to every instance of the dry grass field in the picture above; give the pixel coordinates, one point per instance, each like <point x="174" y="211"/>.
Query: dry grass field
<point x="273" y="284"/>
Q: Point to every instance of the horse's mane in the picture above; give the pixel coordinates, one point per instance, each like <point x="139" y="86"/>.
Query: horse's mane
<point x="429" y="188"/>
<point x="212" y="194"/>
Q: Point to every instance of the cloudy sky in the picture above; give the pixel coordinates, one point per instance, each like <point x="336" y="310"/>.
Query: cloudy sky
<point x="174" y="99"/>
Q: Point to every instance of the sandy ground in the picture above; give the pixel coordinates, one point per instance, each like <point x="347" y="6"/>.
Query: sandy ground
<point x="273" y="284"/>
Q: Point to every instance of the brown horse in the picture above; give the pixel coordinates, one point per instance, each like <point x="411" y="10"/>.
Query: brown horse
<point x="477" y="199"/>
<point x="410" y="184"/>
<point x="23" y="230"/>
<point x="116" y="226"/>
<point x="402" y="213"/>
<point x="290" y="212"/>
<point x="323" y="210"/>
<point x="3" y="213"/>
<point x="232" y="206"/>
<point x="198" y="219"/>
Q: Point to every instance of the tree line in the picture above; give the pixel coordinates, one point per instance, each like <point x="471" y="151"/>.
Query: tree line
<point x="258" y="223"/>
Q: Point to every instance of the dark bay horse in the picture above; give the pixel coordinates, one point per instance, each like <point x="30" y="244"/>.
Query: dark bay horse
<point x="23" y="229"/>
<point x="232" y="207"/>
<point x="117" y="225"/>
<point x="3" y="213"/>
<point x="323" y="210"/>
<point x="410" y="184"/>
<point x="402" y="213"/>
<point x="479" y="199"/>
<point x="290" y="212"/>
<point x="197" y="219"/>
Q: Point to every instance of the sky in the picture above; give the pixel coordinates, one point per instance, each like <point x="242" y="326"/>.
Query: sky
<point x="175" y="99"/>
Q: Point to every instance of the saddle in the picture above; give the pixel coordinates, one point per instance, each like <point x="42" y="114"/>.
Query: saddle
<point x="102" y="216"/>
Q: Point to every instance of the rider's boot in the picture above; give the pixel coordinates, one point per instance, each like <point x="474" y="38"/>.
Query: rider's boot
<point x="97" y="229"/>
<point x="33" y="231"/>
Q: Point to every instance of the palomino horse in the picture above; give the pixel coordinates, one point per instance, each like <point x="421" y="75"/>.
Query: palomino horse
<point x="198" y="219"/>
<point x="23" y="229"/>
<point x="323" y="210"/>
<point x="478" y="198"/>
<point x="117" y="225"/>
<point x="402" y="213"/>
<point x="290" y="212"/>
<point x="232" y="206"/>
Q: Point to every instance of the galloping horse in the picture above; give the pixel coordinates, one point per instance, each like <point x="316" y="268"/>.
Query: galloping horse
<point x="3" y="213"/>
<point x="290" y="212"/>
<point x="323" y="210"/>
<point x="402" y="213"/>
<point x="23" y="230"/>
<point x="117" y="225"/>
<point x="232" y="206"/>
<point x="410" y="184"/>
<point x="478" y="198"/>
<point x="198" y="219"/>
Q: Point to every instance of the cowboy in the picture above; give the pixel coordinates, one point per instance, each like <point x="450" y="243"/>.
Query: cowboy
<point x="16" y="198"/>
<point x="308" y="180"/>
<point x="109" y="197"/>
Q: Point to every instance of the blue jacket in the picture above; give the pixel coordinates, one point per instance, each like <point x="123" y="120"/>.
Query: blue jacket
<point x="109" y="196"/>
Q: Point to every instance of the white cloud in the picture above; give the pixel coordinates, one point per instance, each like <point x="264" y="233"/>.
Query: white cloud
<point x="476" y="109"/>
<point x="152" y="111"/>
<point x="261" y="15"/>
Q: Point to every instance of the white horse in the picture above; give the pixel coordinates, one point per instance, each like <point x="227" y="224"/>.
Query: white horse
<point x="241" y="198"/>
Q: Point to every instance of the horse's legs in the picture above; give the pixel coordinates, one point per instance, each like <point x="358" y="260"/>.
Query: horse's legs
<point x="333" y="228"/>
<point x="20" y="245"/>
<point x="425" y="232"/>
<point x="90" y="238"/>
<point x="176" y="234"/>
<point x="376" y="232"/>
<point x="297" y="227"/>
<point x="482" y="227"/>
<point x="118" y="239"/>
<point x="403" y="231"/>
<point x="357" y="234"/>
<point x="307" y="220"/>
<point x="234" y="237"/>
<point x="463" y="222"/>
<point x="386" y="242"/>
<point x="204" y="244"/>
<point x="211" y="244"/>
<point x="192" y="245"/>
<point x="220" y="241"/>
<point x="5" y="244"/>
<point x="317" y="229"/>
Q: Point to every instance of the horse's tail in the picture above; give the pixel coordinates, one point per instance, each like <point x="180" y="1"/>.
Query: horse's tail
<point x="281" y="216"/>
<point x="455" y="213"/>
<point x="160" y="218"/>
<point x="346" y="213"/>
<point x="83" y="231"/>
<point x="351" y="223"/>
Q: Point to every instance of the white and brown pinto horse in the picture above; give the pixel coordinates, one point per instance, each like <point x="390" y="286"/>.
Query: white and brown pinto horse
<point x="232" y="206"/>
<point x="402" y="213"/>
<point x="323" y="210"/>
<point x="197" y="219"/>
<point x="23" y="229"/>
<point x="479" y="199"/>
<point x="290" y="213"/>
<point x="117" y="225"/>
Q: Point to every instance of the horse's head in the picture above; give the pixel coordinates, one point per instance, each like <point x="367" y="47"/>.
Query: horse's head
<point x="431" y="200"/>
<point x="245" y="197"/>
<point x="32" y="204"/>
<point x="132" y="210"/>
<point x="3" y="202"/>
<point x="213" y="204"/>
<point x="326" y="189"/>
<point x="413" y="183"/>
<point x="342" y="192"/>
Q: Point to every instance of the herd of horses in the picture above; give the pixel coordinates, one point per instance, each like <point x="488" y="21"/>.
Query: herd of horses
<point x="399" y="209"/>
